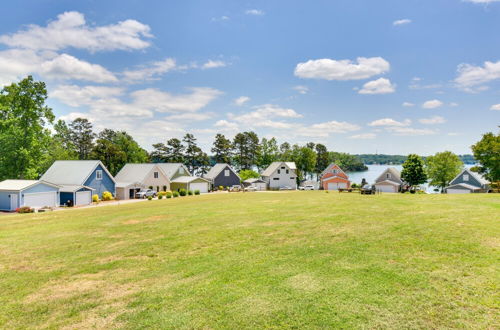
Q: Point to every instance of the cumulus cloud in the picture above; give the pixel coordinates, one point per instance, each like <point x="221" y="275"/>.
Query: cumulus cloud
<point x="433" y="120"/>
<point x="241" y="100"/>
<point x="432" y="104"/>
<point x="472" y="78"/>
<point x="408" y="104"/>
<point x="255" y="12"/>
<point x="401" y="22"/>
<point x="482" y="1"/>
<point x="76" y="96"/>
<point x="365" y="136"/>
<point x="379" y="86"/>
<point x="265" y="115"/>
<point x="226" y="125"/>
<point x="390" y="122"/>
<point x="67" y="67"/>
<point x="362" y="68"/>
<point x="210" y="64"/>
<point x="409" y="131"/>
<point x="325" y="129"/>
<point x="71" y="30"/>
<point x="150" y="71"/>
<point x="495" y="107"/>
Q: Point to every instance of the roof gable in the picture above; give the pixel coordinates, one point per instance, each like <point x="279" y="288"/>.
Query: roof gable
<point x="275" y="165"/>
<point x="171" y="168"/>
<point x="137" y="172"/>
<point x="217" y="169"/>
<point x="333" y="166"/>
<point x="16" y="185"/>
<point x="395" y="176"/>
<point x="72" y="172"/>
<point x="477" y="179"/>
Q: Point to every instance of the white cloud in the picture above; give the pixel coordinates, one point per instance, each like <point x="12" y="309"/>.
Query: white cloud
<point x="482" y="1"/>
<point x="389" y="122"/>
<point x="241" y="100"/>
<point x="150" y="71"/>
<point x="255" y="12"/>
<point x="301" y="89"/>
<point x="67" y="67"/>
<point x="189" y="116"/>
<point x="453" y="104"/>
<point x="224" y="124"/>
<point x="263" y="116"/>
<point x="432" y="104"/>
<point x="495" y="107"/>
<point x="326" y="128"/>
<point x="401" y="22"/>
<point x="471" y="78"/>
<point x="379" y="86"/>
<point x="210" y="64"/>
<point x="221" y="18"/>
<point x="433" y="120"/>
<point x="365" y="136"/>
<point x="408" y="104"/>
<point x="71" y="30"/>
<point x="409" y="131"/>
<point x="329" y="69"/>
<point x="76" y="96"/>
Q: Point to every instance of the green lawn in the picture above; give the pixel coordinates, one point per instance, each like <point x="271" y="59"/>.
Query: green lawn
<point x="266" y="260"/>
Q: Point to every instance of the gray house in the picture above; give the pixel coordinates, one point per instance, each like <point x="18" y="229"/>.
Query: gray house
<point x="468" y="182"/>
<point x="259" y="184"/>
<point x="389" y="181"/>
<point x="222" y="175"/>
<point x="134" y="177"/>
<point x="280" y="175"/>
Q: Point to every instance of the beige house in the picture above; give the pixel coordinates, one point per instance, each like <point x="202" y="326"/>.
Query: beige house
<point x="134" y="177"/>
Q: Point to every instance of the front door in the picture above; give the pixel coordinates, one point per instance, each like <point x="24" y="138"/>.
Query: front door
<point x="14" y="202"/>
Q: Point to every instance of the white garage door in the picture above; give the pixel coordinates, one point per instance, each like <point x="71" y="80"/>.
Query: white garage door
<point x="337" y="185"/>
<point x="83" y="198"/>
<point x="201" y="186"/>
<point x="385" y="188"/>
<point x="37" y="200"/>
<point x="458" y="191"/>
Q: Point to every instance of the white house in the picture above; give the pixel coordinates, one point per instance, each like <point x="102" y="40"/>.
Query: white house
<point x="389" y="181"/>
<point x="280" y="175"/>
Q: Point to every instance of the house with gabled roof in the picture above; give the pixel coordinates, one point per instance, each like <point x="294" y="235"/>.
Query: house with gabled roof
<point x="389" y="181"/>
<point x="80" y="179"/>
<point x="32" y="193"/>
<point x="334" y="178"/>
<point x="280" y="175"/>
<point x="180" y="178"/>
<point x="134" y="177"/>
<point x="222" y="175"/>
<point x="468" y="182"/>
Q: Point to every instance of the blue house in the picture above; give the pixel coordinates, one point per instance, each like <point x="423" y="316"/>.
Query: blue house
<point x="468" y="182"/>
<point x="32" y="193"/>
<point x="79" y="180"/>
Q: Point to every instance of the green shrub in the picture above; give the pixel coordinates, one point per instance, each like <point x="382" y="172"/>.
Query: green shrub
<point x="150" y="198"/>
<point x="182" y="192"/>
<point x="221" y="187"/>
<point x="196" y="192"/>
<point x="175" y="194"/>
<point x="160" y="196"/>
<point x="95" y="198"/>
<point x="190" y="192"/>
<point x="168" y="194"/>
<point x="107" y="196"/>
<point x="327" y="191"/>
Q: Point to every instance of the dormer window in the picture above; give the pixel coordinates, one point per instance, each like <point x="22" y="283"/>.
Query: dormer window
<point x="334" y="171"/>
<point x="388" y="175"/>
<point x="282" y="167"/>
<point x="155" y="175"/>
<point x="98" y="175"/>
<point x="466" y="177"/>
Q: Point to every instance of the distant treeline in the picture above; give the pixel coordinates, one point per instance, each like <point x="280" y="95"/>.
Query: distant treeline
<point x="370" y="159"/>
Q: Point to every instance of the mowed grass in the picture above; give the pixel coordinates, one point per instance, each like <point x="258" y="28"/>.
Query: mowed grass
<point x="256" y="260"/>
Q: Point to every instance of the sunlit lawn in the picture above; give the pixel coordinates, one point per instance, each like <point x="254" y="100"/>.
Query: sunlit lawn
<point x="254" y="260"/>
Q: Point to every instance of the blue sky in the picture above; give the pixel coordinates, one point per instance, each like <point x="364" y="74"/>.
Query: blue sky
<point x="359" y="76"/>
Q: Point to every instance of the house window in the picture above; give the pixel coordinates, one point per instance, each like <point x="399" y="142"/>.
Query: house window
<point x="466" y="177"/>
<point x="155" y="174"/>
<point x="292" y="178"/>
<point x="282" y="167"/>
<point x="388" y="175"/>
<point x="287" y="171"/>
<point x="279" y="172"/>
<point x="334" y="171"/>
<point x="157" y="188"/>
<point x="226" y="172"/>
<point x="98" y="175"/>
<point x="276" y="178"/>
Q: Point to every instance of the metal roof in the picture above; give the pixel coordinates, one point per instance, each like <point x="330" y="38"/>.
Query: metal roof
<point x="170" y="168"/>
<point x="73" y="188"/>
<point x="274" y="166"/>
<point x="72" y="172"/>
<point x="216" y="169"/>
<point x="187" y="179"/>
<point x="17" y="185"/>
<point x="135" y="172"/>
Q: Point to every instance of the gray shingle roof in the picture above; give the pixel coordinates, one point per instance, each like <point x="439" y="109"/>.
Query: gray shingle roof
<point x="274" y="166"/>
<point x="216" y="169"/>
<point x="395" y="176"/>
<point x="170" y="168"/>
<point x="464" y="185"/>
<point x="187" y="179"/>
<point x="254" y="180"/>
<point x="71" y="172"/>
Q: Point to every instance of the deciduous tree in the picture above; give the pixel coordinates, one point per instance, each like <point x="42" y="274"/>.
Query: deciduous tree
<point x="442" y="168"/>
<point x="413" y="171"/>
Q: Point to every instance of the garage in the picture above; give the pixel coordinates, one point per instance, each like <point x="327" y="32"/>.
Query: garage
<point x="458" y="191"/>
<point x="337" y="185"/>
<point x="41" y="199"/>
<point x="201" y="186"/>
<point x="386" y="188"/>
<point x="83" y="198"/>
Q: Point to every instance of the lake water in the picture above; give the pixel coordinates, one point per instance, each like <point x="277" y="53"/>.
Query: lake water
<point x="375" y="170"/>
